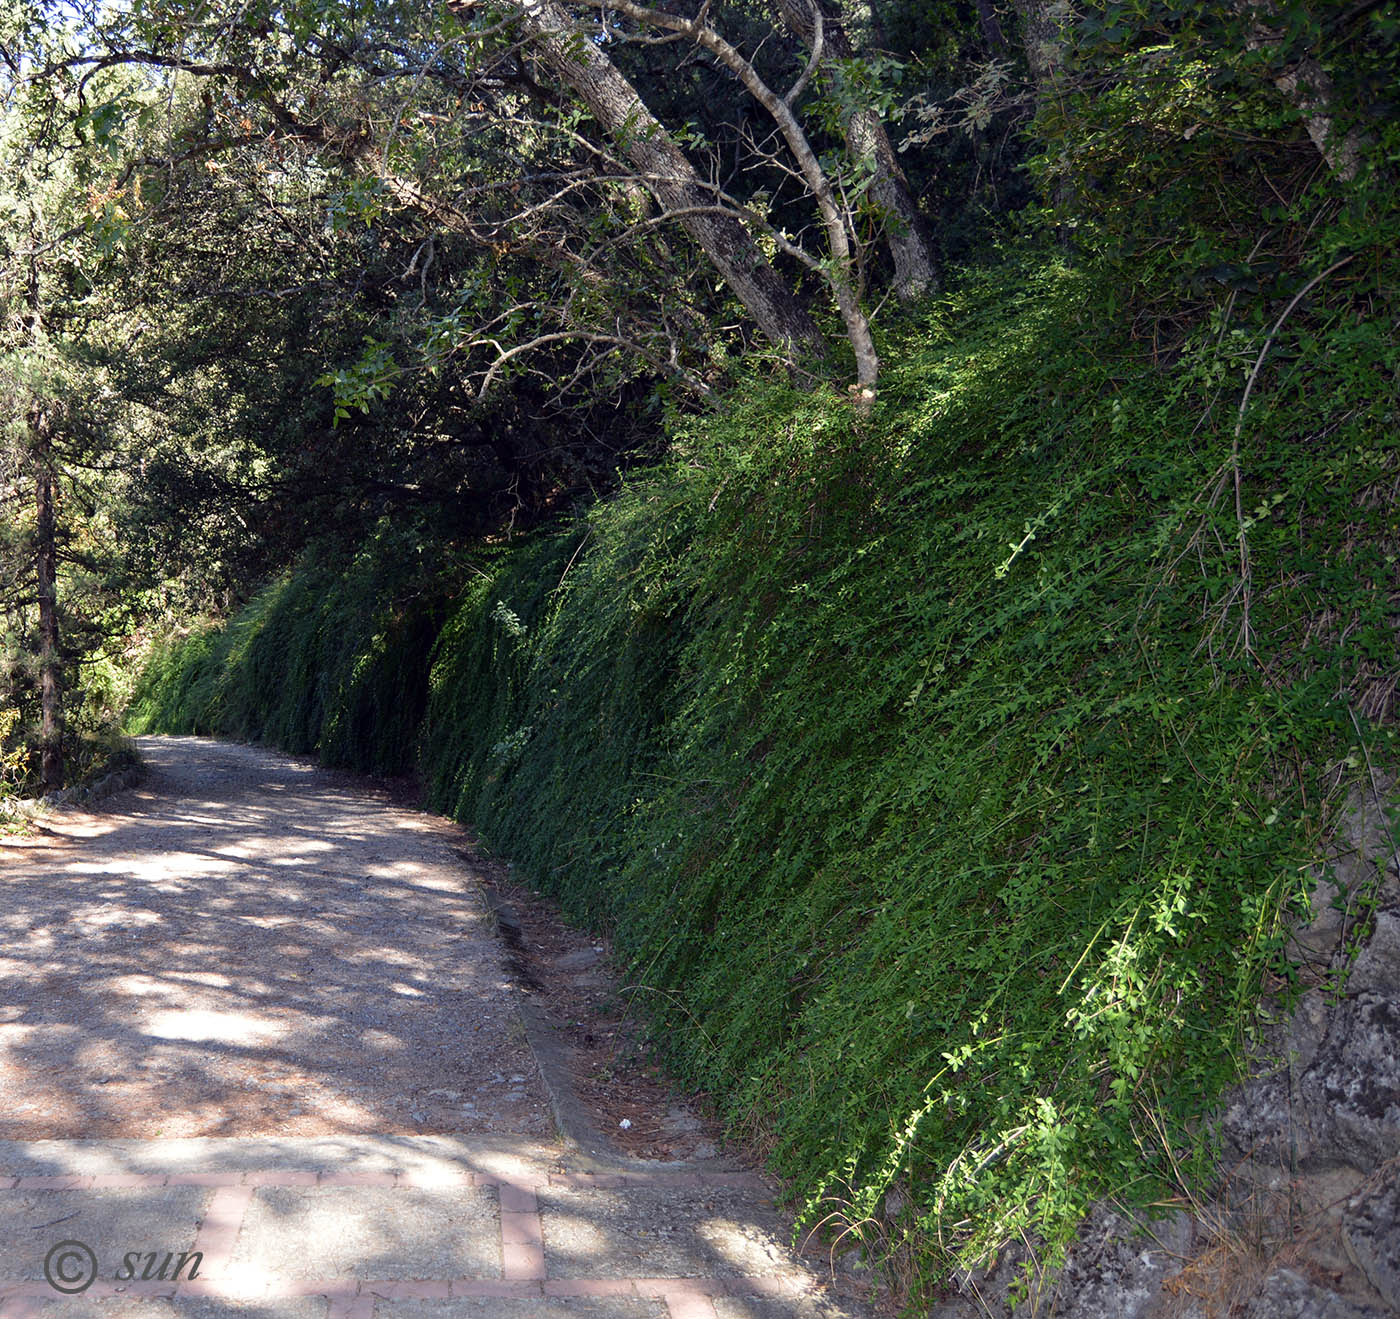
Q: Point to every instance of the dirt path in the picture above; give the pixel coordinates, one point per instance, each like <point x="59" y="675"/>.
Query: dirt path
<point x="249" y="946"/>
<point x="261" y="1056"/>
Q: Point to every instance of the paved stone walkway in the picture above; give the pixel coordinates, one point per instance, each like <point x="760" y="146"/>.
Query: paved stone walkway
<point x="329" y="1210"/>
<point x="246" y="945"/>
<point x="379" y="1227"/>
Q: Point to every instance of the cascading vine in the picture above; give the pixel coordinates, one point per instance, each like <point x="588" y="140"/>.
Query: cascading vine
<point x="919" y="761"/>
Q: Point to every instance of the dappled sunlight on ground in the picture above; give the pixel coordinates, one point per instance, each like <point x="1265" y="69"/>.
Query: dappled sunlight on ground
<point x="241" y="953"/>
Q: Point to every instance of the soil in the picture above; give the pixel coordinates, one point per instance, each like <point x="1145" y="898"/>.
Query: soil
<point x="575" y="979"/>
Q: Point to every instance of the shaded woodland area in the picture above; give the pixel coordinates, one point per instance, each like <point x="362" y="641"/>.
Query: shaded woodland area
<point x="276" y="273"/>
<point x="889" y="507"/>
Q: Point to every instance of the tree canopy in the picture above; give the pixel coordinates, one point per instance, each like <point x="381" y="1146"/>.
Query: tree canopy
<point x="273" y="273"/>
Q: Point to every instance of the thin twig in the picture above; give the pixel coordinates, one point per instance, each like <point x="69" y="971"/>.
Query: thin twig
<point x="1239" y="428"/>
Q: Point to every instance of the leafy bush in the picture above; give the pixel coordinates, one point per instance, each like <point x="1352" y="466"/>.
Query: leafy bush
<point x="13" y="754"/>
<point x="941" y="777"/>
<point x="93" y="741"/>
<point x="331" y="658"/>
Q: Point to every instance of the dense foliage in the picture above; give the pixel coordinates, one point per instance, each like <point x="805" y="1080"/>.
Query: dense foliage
<point x="952" y="735"/>
<point x="332" y="658"/>
<point x="272" y="274"/>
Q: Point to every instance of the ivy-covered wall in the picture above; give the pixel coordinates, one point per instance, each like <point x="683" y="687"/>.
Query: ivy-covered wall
<point x="945" y="774"/>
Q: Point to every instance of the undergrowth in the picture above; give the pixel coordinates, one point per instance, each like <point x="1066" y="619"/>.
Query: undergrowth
<point x="330" y="658"/>
<point x="948" y="776"/>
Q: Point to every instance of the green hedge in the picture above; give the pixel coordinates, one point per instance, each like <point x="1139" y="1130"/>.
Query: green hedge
<point x="940" y="774"/>
<point x="331" y="658"/>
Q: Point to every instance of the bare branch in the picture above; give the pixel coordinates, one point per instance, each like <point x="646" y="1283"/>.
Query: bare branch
<point x="813" y="63"/>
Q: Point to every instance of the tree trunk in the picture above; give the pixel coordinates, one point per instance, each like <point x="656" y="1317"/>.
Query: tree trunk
<point x="906" y="231"/>
<point x="840" y="269"/>
<point x="666" y="171"/>
<point x="1043" y="39"/>
<point x="46" y="565"/>
<point x="45" y="543"/>
<point x="1307" y="87"/>
<point x="1044" y="44"/>
<point x="991" y="27"/>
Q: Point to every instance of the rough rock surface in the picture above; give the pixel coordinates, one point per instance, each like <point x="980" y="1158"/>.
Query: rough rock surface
<point x="1371" y="1236"/>
<point x="1116" y="1272"/>
<point x="1307" y="1221"/>
<point x="1286" y="1294"/>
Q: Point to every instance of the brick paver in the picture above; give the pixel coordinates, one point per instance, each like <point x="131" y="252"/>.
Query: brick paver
<point x="526" y="1272"/>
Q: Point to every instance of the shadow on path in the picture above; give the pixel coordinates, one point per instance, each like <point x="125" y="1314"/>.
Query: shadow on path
<point x="244" y="946"/>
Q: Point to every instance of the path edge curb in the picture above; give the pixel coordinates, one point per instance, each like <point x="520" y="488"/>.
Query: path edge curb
<point x="572" y="1121"/>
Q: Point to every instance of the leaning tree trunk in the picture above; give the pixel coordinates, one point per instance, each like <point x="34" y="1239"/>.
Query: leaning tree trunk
<point x="840" y="269"/>
<point x="46" y="565"/>
<point x="1307" y="85"/>
<point x="906" y="231"/>
<point x="670" y="176"/>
